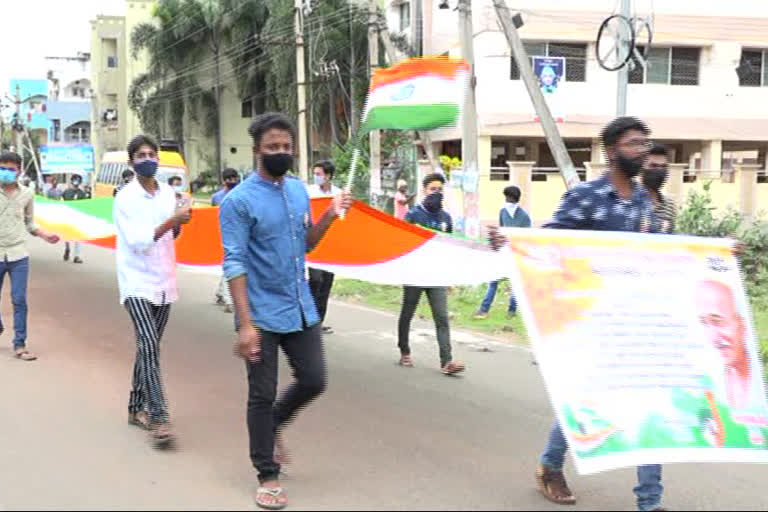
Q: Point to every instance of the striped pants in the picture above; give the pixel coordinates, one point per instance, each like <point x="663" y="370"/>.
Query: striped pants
<point x="148" y="393"/>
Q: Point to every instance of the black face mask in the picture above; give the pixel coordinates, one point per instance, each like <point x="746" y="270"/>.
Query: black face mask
<point x="433" y="203"/>
<point x="630" y="167"/>
<point x="277" y="164"/>
<point x="654" y="179"/>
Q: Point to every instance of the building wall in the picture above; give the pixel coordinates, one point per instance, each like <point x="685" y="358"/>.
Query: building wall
<point x="109" y="83"/>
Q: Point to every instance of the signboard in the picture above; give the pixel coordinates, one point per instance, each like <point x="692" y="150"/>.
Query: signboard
<point x="66" y="159"/>
<point x="646" y="345"/>
<point x="550" y="72"/>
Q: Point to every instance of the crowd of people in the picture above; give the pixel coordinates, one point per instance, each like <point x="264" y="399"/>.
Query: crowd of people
<point x="267" y="227"/>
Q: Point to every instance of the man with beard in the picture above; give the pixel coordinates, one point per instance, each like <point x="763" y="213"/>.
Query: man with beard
<point x="655" y="174"/>
<point x="429" y="214"/>
<point x="612" y="202"/>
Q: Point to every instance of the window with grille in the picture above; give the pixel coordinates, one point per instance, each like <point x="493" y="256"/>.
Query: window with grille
<point x="668" y="66"/>
<point x="575" y="58"/>
<point x="755" y="68"/>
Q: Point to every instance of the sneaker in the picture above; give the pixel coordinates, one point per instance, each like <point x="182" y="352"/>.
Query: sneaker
<point x="77" y="260"/>
<point x="327" y="329"/>
<point x="480" y="315"/>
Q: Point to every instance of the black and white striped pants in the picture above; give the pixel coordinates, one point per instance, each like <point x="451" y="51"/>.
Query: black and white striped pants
<point x="148" y="393"/>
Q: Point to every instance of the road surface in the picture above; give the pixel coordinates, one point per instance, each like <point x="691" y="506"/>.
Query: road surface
<point x="382" y="437"/>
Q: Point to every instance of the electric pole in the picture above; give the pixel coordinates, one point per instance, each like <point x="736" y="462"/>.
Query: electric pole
<point x="554" y="140"/>
<point x="16" y="135"/>
<point x="301" y="91"/>
<point x="374" y="136"/>
<point x="469" y="126"/>
<point x="623" y="76"/>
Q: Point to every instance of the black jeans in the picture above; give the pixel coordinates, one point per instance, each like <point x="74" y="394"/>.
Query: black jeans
<point x="438" y="303"/>
<point x="266" y="416"/>
<point x="320" y="284"/>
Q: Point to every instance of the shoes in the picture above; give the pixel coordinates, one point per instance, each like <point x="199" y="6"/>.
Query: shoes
<point x="77" y="260"/>
<point x="512" y="315"/>
<point x="480" y="315"/>
<point x="327" y="329"/>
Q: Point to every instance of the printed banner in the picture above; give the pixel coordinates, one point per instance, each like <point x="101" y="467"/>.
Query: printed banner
<point x="66" y="158"/>
<point x="646" y="345"/>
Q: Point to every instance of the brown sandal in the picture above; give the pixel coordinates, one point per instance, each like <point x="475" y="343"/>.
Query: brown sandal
<point x="25" y="355"/>
<point x="552" y="485"/>
<point x="453" y="368"/>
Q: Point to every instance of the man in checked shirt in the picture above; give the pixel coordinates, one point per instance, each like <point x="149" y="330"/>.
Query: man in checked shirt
<point x="612" y="202"/>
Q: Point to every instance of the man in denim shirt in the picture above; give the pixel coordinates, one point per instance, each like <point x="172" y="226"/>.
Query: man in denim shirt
<point x="266" y="228"/>
<point x="613" y="202"/>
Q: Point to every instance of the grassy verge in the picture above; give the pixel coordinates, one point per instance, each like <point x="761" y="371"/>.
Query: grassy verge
<point x="463" y="302"/>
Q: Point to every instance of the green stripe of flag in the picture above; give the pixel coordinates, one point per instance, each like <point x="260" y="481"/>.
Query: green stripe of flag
<point x="411" y="117"/>
<point x="101" y="207"/>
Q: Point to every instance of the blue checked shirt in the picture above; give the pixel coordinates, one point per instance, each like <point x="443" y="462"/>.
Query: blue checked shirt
<point x="596" y="205"/>
<point x="264" y="231"/>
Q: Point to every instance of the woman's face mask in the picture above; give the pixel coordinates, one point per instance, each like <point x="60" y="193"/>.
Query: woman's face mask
<point x="319" y="179"/>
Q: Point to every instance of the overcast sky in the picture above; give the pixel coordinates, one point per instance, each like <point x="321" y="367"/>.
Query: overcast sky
<point x="35" y="29"/>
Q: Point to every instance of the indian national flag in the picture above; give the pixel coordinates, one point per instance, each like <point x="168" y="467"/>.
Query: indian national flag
<point x="369" y="245"/>
<point x="422" y="93"/>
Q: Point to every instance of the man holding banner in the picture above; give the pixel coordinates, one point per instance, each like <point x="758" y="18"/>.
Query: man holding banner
<point x="613" y="202"/>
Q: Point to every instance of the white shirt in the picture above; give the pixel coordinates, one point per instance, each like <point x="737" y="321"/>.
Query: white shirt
<point x="145" y="268"/>
<point x="315" y="191"/>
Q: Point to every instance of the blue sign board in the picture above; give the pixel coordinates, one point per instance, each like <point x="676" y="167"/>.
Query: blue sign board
<point x="549" y="71"/>
<point x="66" y="159"/>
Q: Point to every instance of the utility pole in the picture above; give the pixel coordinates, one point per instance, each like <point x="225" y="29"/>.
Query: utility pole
<point x="16" y="135"/>
<point x="301" y="91"/>
<point x="623" y="76"/>
<point x="469" y="126"/>
<point x="374" y="137"/>
<point x="555" y="141"/>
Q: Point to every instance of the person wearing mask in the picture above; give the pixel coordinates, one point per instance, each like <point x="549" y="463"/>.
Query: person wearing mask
<point x="74" y="193"/>
<point x="612" y="202"/>
<point x="320" y="281"/>
<point x="402" y="199"/>
<point x="147" y="220"/>
<point x="231" y="179"/>
<point x="655" y="174"/>
<point x="512" y="215"/>
<point x="175" y="182"/>
<point x="53" y="192"/>
<point x="17" y="218"/>
<point x="126" y="178"/>
<point x="266" y="227"/>
<point x="429" y="214"/>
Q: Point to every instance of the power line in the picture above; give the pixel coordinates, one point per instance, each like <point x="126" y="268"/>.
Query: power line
<point x="242" y="48"/>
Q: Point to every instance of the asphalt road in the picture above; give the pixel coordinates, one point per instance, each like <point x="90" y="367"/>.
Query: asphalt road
<point x="382" y="437"/>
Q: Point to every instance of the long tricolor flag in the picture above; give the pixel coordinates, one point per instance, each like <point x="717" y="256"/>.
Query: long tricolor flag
<point x="369" y="244"/>
<point x="421" y="93"/>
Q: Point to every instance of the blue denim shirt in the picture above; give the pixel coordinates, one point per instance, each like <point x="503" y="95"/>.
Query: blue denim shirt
<point x="264" y="228"/>
<point x="597" y="206"/>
